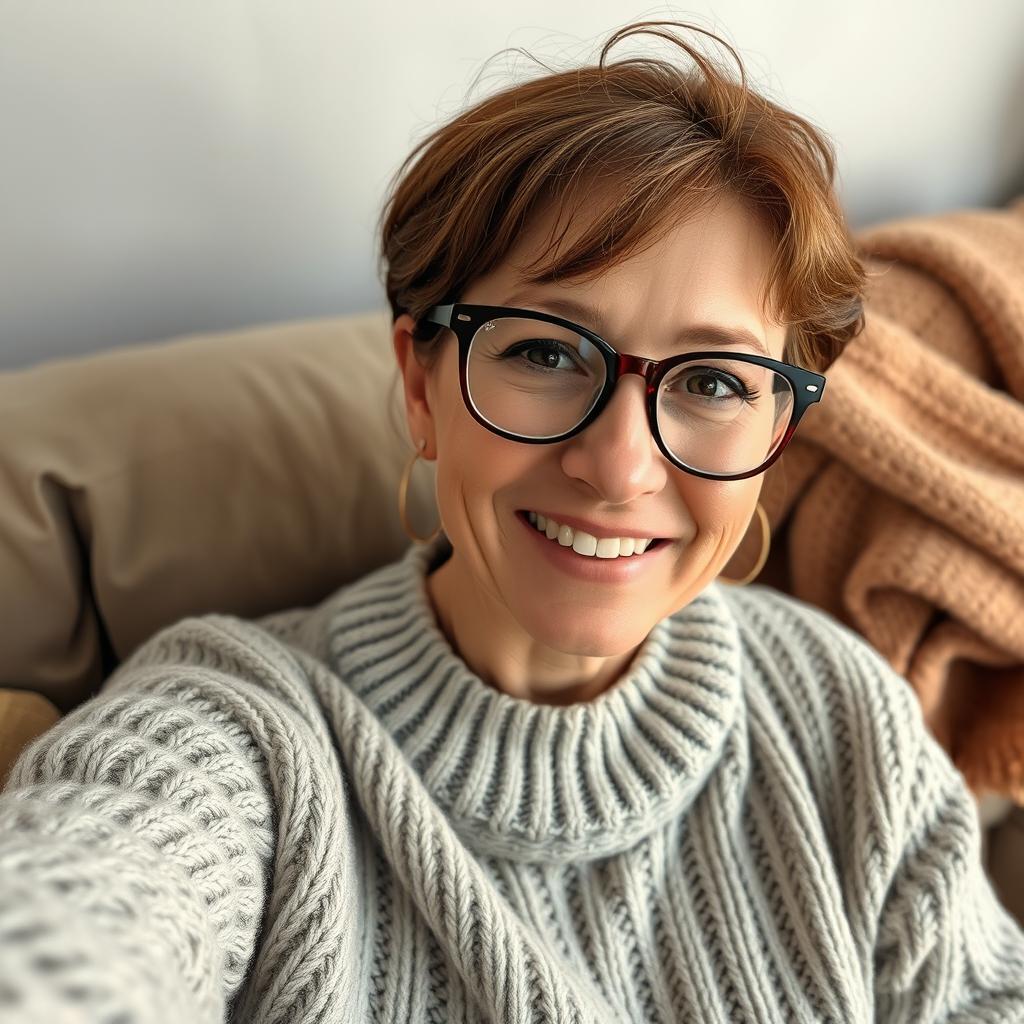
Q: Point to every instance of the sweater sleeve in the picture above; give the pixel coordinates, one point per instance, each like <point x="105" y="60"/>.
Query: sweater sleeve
<point x="137" y="837"/>
<point x="946" y="949"/>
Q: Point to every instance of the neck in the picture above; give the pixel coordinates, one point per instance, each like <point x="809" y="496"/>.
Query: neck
<point x="485" y="635"/>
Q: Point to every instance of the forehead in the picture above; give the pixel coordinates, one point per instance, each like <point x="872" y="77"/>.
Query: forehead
<point x="705" y="271"/>
<point x="699" y="229"/>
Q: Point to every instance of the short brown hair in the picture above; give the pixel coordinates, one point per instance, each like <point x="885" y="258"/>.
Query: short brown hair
<point x="670" y="140"/>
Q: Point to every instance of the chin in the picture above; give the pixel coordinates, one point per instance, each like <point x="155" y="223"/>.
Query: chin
<point x="588" y="632"/>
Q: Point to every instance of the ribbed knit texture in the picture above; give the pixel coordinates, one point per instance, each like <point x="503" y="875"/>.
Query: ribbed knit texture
<point x="323" y="815"/>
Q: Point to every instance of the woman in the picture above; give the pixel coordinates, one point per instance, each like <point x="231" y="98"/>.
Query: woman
<point x="546" y="766"/>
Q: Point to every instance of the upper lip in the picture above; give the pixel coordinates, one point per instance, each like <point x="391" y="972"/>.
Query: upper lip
<point x="595" y="529"/>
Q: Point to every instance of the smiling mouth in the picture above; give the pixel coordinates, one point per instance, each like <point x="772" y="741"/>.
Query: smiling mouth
<point x="586" y="544"/>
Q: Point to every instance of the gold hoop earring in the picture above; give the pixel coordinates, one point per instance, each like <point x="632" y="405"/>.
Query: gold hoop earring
<point x="766" y="540"/>
<point x="403" y="492"/>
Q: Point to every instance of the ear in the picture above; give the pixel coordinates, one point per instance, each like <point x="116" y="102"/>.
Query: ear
<point x="418" y="413"/>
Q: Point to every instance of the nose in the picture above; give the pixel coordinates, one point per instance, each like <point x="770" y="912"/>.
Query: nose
<point x="617" y="454"/>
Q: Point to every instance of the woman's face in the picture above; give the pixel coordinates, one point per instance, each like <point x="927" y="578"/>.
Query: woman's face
<point x="504" y="592"/>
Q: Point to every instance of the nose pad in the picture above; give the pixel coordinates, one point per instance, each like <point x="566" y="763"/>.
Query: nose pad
<point x="622" y="405"/>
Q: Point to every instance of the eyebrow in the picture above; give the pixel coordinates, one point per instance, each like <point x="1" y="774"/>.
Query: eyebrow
<point x="572" y="310"/>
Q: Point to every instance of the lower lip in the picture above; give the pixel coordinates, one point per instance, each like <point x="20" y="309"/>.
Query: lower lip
<point x="590" y="567"/>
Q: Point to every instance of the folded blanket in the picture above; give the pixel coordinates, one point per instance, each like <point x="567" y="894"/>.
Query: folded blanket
<point x="899" y="505"/>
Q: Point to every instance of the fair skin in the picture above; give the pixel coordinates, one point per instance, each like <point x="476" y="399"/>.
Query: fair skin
<point x="525" y="626"/>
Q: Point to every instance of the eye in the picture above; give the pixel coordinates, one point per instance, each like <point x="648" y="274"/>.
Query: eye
<point x="712" y="380"/>
<point x="545" y="354"/>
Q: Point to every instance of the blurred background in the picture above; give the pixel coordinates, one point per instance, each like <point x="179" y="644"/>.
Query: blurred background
<point x="205" y="164"/>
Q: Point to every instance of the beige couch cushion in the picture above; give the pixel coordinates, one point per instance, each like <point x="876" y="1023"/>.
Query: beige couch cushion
<point x="240" y="472"/>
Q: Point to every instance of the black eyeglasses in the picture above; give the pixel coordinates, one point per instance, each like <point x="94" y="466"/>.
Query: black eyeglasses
<point x="733" y="425"/>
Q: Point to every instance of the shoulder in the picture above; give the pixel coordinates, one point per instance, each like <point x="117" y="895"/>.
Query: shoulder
<point x="213" y="645"/>
<point x="852" y="723"/>
<point x="785" y="639"/>
<point x="308" y="631"/>
<point x="202" y="687"/>
<point x="286" y="651"/>
<point x="237" y="672"/>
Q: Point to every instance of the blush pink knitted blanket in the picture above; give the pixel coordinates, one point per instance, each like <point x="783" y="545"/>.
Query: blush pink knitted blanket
<point x="899" y="505"/>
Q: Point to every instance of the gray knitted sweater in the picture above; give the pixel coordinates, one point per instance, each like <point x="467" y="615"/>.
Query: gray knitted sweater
<point x="323" y="815"/>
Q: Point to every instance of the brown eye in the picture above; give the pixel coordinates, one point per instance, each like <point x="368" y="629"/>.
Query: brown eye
<point x="714" y="385"/>
<point x="546" y="354"/>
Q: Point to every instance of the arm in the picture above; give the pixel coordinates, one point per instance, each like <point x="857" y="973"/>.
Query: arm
<point x="138" y="838"/>
<point x="946" y="949"/>
<point x="935" y="943"/>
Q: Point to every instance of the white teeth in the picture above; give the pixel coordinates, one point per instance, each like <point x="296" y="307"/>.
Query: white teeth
<point x="584" y="543"/>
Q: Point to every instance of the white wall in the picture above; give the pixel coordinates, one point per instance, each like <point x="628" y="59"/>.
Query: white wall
<point x="200" y="164"/>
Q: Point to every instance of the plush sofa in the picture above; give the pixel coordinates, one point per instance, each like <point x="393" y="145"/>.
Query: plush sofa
<point x="240" y="472"/>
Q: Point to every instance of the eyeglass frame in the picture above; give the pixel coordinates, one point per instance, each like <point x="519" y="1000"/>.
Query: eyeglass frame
<point x="465" y="319"/>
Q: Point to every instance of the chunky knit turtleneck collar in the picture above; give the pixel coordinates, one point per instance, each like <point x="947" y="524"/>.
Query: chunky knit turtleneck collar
<point x="537" y="781"/>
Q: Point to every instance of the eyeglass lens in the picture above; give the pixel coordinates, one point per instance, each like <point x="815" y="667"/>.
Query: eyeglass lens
<point x="540" y="380"/>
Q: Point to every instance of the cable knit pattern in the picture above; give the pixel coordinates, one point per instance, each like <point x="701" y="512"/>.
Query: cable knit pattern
<point x="323" y="815"/>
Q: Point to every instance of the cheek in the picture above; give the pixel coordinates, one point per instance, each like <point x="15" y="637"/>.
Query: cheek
<point x="473" y="466"/>
<point x="483" y="479"/>
<point x="719" y="511"/>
